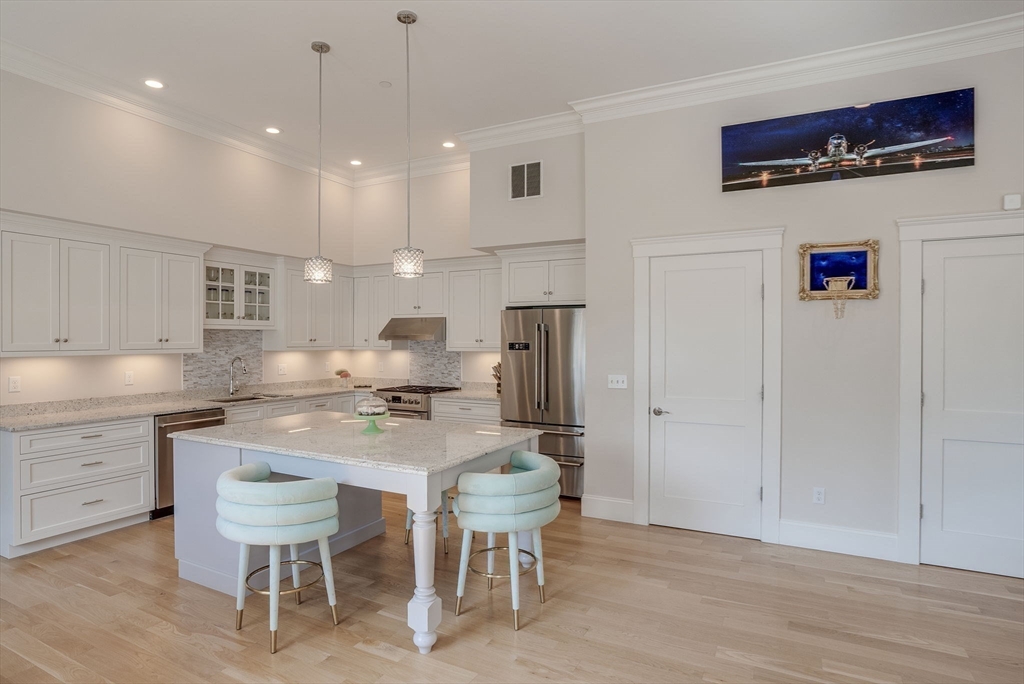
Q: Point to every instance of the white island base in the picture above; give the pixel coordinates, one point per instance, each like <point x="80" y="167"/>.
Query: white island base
<point x="419" y="459"/>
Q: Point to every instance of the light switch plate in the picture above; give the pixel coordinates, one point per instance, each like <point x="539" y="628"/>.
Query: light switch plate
<point x="129" y="377"/>
<point x="1011" y="202"/>
<point x="14" y="383"/>
<point x="282" y="369"/>
<point x="327" y="366"/>
<point x="380" y="366"/>
<point x="616" y="382"/>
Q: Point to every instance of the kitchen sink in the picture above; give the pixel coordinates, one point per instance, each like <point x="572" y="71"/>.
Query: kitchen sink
<point x="249" y="397"/>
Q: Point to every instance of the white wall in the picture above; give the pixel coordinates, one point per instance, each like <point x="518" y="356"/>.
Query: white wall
<point x="476" y="366"/>
<point x="68" y="157"/>
<point x="557" y="216"/>
<point x="440" y="218"/>
<point x="659" y="174"/>
<point x="81" y="377"/>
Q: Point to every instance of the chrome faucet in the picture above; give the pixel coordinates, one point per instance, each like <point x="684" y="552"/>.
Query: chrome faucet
<point x="231" y="374"/>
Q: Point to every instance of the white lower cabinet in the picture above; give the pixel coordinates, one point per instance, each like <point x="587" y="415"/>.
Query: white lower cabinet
<point x="287" y="408"/>
<point x="344" y="403"/>
<point x="318" y="404"/>
<point x="64" y="480"/>
<point x="456" y="411"/>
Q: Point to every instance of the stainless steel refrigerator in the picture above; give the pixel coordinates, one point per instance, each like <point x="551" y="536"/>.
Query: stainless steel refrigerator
<point x="542" y="371"/>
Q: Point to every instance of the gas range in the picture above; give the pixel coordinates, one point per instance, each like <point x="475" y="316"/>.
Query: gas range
<point x="411" y="398"/>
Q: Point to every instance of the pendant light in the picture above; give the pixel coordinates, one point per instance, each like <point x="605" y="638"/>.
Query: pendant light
<point x="408" y="259"/>
<point x="319" y="269"/>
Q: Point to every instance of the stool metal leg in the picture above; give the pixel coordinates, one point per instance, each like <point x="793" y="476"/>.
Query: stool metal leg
<point x="243" y="570"/>
<point x="408" y="524"/>
<point x="444" y="518"/>
<point x="325" y="561"/>
<point x="513" y="562"/>
<point x="490" y="560"/>
<point x="275" y="593"/>
<point x="293" y="553"/>
<point x="467" y="544"/>
<point x="539" y="552"/>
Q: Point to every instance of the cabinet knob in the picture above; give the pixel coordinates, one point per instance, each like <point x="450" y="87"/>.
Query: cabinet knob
<point x="64" y="340"/>
<point x="56" y="340"/>
<point x="167" y="339"/>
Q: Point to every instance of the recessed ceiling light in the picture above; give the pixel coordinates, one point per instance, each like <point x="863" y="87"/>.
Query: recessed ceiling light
<point x="154" y="84"/>
<point x="385" y="84"/>
<point x="273" y="130"/>
<point x="448" y="144"/>
<point x="355" y="162"/>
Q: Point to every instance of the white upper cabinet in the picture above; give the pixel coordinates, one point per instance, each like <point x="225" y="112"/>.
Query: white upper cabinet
<point x="238" y="296"/>
<point x="380" y="309"/>
<point x="361" y="313"/>
<point x="31" y="293"/>
<point x="422" y="296"/>
<point x="84" y="296"/>
<point x="474" y="310"/>
<point x="309" y="312"/>
<point x="552" y="280"/>
<point x="346" y="322"/>
<point x="160" y="301"/>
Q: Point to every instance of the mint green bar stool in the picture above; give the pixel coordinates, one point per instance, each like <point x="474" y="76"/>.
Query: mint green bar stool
<point x="255" y="512"/>
<point x="524" y="500"/>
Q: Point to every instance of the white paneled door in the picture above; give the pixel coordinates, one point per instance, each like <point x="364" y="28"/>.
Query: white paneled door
<point x="182" y="325"/>
<point x="972" y="427"/>
<point x="84" y="296"/>
<point x="705" y="385"/>
<point x="31" y="293"/>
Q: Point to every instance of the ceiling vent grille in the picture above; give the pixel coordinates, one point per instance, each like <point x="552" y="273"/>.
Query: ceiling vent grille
<point x="524" y="181"/>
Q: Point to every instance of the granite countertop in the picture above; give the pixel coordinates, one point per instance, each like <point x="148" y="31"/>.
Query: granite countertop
<point x="407" y="446"/>
<point x="75" y="412"/>
<point x="470" y="395"/>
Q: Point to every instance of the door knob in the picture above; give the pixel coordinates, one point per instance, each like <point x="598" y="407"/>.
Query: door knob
<point x="658" y="411"/>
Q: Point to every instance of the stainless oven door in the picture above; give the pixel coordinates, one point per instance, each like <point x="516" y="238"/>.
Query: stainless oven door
<point x="410" y="415"/>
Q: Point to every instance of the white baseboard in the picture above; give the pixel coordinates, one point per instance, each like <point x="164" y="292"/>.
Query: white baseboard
<point x="48" y="543"/>
<point x="607" y="508"/>
<point x="848" y="540"/>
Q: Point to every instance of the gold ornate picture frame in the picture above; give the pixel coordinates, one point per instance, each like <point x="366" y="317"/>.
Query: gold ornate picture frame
<point x="855" y="264"/>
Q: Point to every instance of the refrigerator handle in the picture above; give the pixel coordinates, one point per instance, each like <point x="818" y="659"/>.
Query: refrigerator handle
<point x="537" y="370"/>
<point x="544" y="394"/>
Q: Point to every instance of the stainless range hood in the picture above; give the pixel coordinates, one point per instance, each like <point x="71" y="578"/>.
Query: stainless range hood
<point x="419" y="329"/>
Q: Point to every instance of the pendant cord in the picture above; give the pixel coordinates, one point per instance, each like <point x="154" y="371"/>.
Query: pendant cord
<point x="408" y="145"/>
<point x="319" y="148"/>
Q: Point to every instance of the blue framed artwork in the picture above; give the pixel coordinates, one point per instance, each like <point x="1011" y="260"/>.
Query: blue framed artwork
<point x="874" y="139"/>
<point x="839" y="270"/>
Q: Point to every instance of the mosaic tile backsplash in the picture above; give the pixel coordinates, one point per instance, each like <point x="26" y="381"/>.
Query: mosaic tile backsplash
<point x="431" y="364"/>
<point x="210" y="369"/>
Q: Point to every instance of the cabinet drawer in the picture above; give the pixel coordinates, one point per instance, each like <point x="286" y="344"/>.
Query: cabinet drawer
<point x="55" y="512"/>
<point x="244" y="414"/>
<point x="287" y="409"/>
<point x="467" y="411"/>
<point x="319" y="404"/>
<point x="83" y="465"/>
<point x="85" y="436"/>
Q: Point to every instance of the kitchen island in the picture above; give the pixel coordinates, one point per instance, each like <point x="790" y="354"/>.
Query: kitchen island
<point x="420" y="459"/>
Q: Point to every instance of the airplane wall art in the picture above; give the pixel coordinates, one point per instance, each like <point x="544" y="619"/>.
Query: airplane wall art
<point x="913" y="134"/>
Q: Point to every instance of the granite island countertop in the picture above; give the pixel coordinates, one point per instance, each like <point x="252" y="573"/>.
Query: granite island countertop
<point x="406" y="446"/>
<point x="80" y="411"/>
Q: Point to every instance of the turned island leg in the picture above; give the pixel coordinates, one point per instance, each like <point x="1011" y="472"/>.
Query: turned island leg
<point x="425" y="606"/>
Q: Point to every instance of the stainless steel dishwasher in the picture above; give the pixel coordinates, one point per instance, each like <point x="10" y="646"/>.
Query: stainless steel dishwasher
<point x="165" y="425"/>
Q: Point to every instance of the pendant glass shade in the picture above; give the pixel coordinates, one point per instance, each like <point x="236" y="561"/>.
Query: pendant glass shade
<point x="319" y="270"/>
<point x="408" y="262"/>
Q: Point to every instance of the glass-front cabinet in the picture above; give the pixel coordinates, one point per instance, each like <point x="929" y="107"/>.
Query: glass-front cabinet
<point x="238" y="296"/>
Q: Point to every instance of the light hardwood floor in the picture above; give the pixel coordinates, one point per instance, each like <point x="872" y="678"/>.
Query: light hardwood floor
<point x="625" y="603"/>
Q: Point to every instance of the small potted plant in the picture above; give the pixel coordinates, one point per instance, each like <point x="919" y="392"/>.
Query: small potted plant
<point x="344" y="375"/>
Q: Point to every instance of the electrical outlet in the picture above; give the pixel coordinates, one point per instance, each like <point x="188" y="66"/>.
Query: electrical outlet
<point x="327" y="366"/>
<point x="14" y="383"/>
<point x="380" y="366"/>
<point x="819" y="495"/>
<point x="1011" y="202"/>
<point x="129" y="377"/>
<point x="282" y="369"/>
<point x="616" y="382"/>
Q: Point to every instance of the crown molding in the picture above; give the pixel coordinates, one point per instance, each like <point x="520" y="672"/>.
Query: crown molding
<point x="987" y="224"/>
<point x="527" y="130"/>
<point x="426" y="166"/>
<point x="959" y="42"/>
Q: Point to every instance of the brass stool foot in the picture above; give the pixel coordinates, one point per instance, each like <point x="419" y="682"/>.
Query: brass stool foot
<point x="273" y="641"/>
<point x="334" y="612"/>
<point x="238" y="619"/>
<point x="490" y="583"/>
<point x="541" y="587"/>
<point x="298" y="598"/>
<point x="458" y="605"/>
<point x="515" y="620"/>
<point x="446" y="544"/>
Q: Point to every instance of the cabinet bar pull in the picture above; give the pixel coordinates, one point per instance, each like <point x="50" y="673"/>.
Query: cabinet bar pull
<point x="89" y="503"/>
<point x="91" y="464"/>
<point x="463" y="408"/>
<point x="98" y="434"/>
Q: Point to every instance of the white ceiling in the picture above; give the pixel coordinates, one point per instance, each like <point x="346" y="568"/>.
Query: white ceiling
<point x="475" y="64"/>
